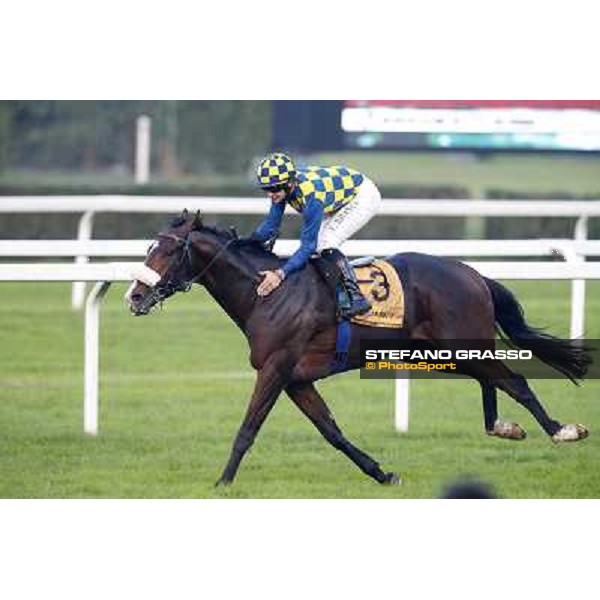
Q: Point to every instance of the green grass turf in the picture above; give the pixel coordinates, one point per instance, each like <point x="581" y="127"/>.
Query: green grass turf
<point x="175" y="385"/>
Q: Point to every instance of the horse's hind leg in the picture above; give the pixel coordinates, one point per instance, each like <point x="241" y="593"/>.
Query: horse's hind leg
<point x="310" y="402"/>
<point x="489" y="397"/>
<point x="516" y="387"/>
<point x="519" y="389"/>
<point x="493" y="426"/>
<point x="497" y="374"/>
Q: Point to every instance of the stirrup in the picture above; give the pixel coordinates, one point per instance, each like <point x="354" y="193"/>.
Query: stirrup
<point x="359" y="306"/>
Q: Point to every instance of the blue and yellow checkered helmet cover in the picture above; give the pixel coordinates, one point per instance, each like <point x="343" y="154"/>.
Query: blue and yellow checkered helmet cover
<point x="275" y="169"/>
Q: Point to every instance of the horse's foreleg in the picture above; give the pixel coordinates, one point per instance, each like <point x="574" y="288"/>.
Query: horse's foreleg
<point x="310" y="402"/>
<point x="269" y="383"/>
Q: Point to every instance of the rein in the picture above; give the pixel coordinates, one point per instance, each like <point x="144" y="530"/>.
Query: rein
<point x="186" y="254"/>
<point x="213" y="259"/>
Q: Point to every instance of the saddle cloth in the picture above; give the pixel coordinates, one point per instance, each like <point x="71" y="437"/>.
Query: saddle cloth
<point x="380" y="284"/>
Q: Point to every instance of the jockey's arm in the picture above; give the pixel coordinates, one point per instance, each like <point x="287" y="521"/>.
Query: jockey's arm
<point x="312" y="216"/>
<point x="270" y="226"/>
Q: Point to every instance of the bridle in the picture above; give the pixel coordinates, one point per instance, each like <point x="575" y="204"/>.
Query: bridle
<point x="172" y="284"/>
<point x="162" y="291"/>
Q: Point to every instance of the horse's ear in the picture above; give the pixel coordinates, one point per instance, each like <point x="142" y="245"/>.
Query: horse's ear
<point x="185" y="214"/>
<point x="197" y="221"/>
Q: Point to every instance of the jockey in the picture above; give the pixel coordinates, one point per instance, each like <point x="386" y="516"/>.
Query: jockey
<point x="335" y="202"/>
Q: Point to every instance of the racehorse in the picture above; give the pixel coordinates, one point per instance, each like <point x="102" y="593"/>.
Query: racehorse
<point x="292" y="331"/>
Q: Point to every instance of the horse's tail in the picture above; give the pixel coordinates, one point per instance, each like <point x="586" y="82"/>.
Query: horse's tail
<point x="568" y="357"/>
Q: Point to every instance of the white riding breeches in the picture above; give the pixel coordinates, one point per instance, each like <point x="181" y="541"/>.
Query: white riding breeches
<point x="338" y="227"/>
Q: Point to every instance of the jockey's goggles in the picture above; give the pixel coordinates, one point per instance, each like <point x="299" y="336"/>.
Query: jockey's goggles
<point x="273" y="189"/>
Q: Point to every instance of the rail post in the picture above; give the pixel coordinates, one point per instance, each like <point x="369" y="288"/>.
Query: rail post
<point x="92" y="355"/>
<point x="84" y="232"/>
<point x="578" y="285"/>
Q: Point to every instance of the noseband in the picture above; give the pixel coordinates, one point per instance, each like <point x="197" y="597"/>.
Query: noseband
<point x="162" y="291"/>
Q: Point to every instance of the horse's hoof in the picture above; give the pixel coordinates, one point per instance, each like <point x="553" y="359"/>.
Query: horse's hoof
<point x="392" y="479"/>
<point x="570" y="433"/>
<point x="508" y="431"/>
<point x="222" y="483"/>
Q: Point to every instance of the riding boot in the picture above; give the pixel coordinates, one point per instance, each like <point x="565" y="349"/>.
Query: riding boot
<point x="358" y="303"/>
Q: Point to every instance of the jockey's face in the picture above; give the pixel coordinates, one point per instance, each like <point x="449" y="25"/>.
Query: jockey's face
<point x="276" y="197"/>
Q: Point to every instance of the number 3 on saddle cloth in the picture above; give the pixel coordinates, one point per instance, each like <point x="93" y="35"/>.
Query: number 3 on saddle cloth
<point x="380" y="284"/>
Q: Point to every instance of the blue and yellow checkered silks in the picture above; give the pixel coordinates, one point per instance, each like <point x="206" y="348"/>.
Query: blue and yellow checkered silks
<point x="333" y="186"/>
<point x="275" y="169"/>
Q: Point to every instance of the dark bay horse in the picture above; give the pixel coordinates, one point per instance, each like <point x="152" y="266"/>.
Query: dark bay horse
<point x="292" y="332"/>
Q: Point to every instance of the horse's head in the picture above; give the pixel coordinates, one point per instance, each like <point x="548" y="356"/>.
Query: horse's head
<point x="168" y="266"/>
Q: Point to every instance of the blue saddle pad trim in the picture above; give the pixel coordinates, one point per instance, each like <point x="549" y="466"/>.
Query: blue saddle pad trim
<point x="342" y="345"/>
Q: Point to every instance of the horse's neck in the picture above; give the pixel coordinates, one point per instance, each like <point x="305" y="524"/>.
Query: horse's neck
<point x="233" y="285"/>
<point x="237" y="307"/>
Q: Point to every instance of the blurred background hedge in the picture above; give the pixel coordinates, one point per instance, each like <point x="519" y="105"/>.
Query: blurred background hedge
<point x="210" y="147"/>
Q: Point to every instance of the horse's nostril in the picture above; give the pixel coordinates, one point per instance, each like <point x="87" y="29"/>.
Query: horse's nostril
<point x="135" y="298"/>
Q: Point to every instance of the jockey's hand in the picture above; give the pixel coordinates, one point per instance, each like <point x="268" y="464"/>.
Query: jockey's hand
<point x="272" y="280"/>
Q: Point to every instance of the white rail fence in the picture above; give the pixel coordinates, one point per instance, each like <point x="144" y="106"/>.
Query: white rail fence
<point x="568" y="250"/>
<point x="88" y="206"/>
<point x="572" y="251"/>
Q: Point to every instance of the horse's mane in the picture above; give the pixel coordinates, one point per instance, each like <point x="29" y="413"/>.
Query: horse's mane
<point x="226" y="235"/>
<point x="253" y="250"/>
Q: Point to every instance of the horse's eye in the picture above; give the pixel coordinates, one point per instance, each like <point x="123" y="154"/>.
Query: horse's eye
<point x="152" y="247"/>
<point x="173" y="249"/>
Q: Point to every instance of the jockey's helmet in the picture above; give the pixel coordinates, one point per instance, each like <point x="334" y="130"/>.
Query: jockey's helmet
<point x="274" y="170"/>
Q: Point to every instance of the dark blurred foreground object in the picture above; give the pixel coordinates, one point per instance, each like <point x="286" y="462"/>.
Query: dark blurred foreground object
<point x="468" y="489"/>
